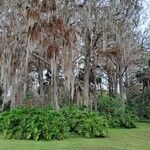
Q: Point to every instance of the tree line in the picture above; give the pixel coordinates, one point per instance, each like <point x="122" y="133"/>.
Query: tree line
<point x="62" y="52"/>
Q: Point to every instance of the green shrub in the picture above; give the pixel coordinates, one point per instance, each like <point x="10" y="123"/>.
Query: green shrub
<point x="85" y="123"/>
<point x="140" y="104"/>
<point x="109" y="105"/>
<point x="125" y="121"/>
<point x="3" y="115"/>
<point x="47" y="124"/>
<point x="128" y="120"/>
<point x="33" y="123"/>
<point x="113" y="122"/>
<point x="111" y="108"/>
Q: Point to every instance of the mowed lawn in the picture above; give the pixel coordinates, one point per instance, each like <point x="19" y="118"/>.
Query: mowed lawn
<point x="119" y="139"/>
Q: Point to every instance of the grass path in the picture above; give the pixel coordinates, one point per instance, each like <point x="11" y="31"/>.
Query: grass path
<point x="119" y="139"/>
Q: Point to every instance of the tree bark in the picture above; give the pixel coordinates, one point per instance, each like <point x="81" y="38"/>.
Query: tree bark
<point x="87" y="67"/>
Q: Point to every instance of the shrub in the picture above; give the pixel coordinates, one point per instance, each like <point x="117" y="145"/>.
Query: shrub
<point x="33" y="123"/>
<point x="128" y="120"/>
<point x="140" y="104"/>
<point x="112" y="109"/>
<point x="113" y="122"/>
<point x="47" y="124"/>
<point x="125" y="121"/>
<point x="1" y="123"/>
<point x="109" y="105"/>
<point x="85" y="123"/>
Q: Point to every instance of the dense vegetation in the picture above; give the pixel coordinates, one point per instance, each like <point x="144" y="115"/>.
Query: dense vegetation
<point x="62" y="52"/>
<point x="127" y="139"/>
<point x="112" y="109"/>
<point x="140" y="105"/>
<point x="72" y="68"/>
<point x="36" y="124"/>
<point x="32" y="123"/>
<point x="49" y="124"/>
<point x="85" y="123"/>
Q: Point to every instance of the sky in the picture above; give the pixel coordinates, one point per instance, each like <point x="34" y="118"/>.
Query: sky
<point x="145" y="14"/>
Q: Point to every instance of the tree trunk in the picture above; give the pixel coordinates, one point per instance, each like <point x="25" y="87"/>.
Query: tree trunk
<point x="87" y="67"/>
<point x="95" y="90"/>
<point x="121" y="89"/>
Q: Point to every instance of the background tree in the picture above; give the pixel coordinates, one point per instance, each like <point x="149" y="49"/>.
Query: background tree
<point x="61" y="52"/>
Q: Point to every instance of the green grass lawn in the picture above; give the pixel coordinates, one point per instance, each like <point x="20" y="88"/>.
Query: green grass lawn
<point x="119" y="139"/>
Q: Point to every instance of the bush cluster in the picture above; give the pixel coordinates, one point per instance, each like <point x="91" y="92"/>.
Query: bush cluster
<point x="125" y="121"/>
<point x="85" y="123"/>
<point x="48" y="124"/>
<point x="112" y="109"/>
<point x="140" y="104"/>
<point x="33" y="123"/>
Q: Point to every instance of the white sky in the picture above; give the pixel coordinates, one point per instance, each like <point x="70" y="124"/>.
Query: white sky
<point x="145" y="14"/>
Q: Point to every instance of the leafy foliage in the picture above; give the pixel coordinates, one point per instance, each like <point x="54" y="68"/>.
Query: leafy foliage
<point x="85" y="123"/>
<point x="141" y="105"/>
<point x="33" y="123"/>
<point x="109" y="105"/>
<point x="111" y="108"/>
<point x="126" y="121"/>
<point x="47" y="124"/>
